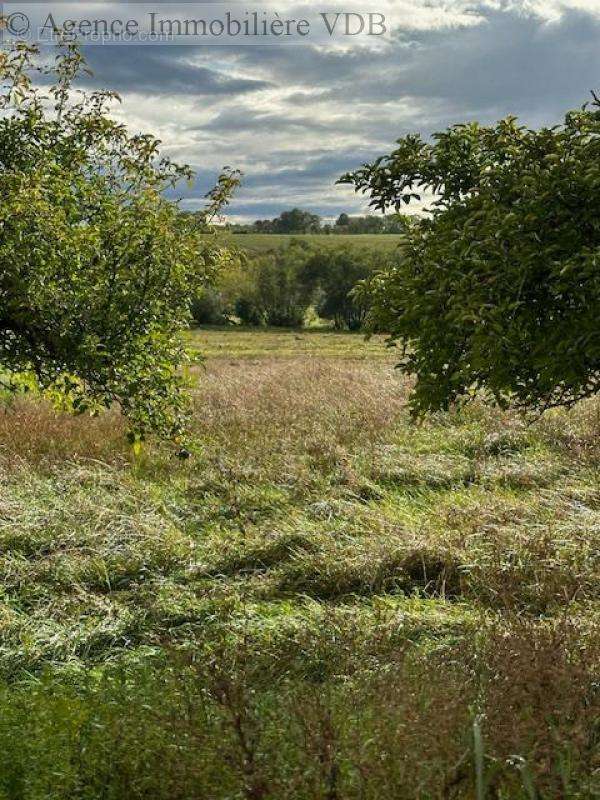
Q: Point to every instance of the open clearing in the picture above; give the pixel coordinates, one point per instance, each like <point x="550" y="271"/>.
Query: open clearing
<point x="320" y="567"/>
<point x="257" y="243"/>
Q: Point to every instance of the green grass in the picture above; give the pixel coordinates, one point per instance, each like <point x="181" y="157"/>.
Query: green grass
<point x="246" y="343"/>
<point x="264" y="242"/>
<point x="316" y="605"/>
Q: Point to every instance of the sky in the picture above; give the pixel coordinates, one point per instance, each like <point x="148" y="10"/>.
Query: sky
<point x="294" y="117"/>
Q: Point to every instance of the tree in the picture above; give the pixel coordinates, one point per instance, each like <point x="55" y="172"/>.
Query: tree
<point x="331" y="275"/>
<point x="264" y="226"/>
<point x="96" y="266"/>
<point x="297" y="221"/>
<point x="274" y="294"/>
<point x="499" y="288"/>
<point x="396" y="223"/>
<point x="208" y="308"/>
<point x="393" y="223"/>
<point x="216" y="304"/>
<point x="290" y="222"/>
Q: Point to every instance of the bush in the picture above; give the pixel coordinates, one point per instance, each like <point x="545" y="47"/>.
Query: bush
<point x="96" y="266"/>
<point x="499" y="289"/>
<point x="331" y="275"/>
<point x="247" y="311"/>
<point x="274" y="294"/>
<point x="208" y="309"/>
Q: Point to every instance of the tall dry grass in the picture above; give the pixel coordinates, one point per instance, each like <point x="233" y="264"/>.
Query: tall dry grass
<point x="293" y="404"/>
<point x="32" y="432"/>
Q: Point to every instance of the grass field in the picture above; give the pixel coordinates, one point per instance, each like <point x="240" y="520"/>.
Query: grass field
<point x="264" y="242"/>
<point x="326" y="601"/>
<point x="276" y="343"/>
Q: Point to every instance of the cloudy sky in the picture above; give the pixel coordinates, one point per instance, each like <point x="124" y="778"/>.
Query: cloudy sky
<point x="293" y="118"/>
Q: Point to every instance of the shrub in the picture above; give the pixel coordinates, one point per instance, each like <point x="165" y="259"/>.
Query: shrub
<point x="208" y="308"/>
<point x="499" y="289"/>
<point x="274" y="295"/>
<point x="248" y="312"/>
<point x="96" y="266"/>
<point x="332" y="275"/>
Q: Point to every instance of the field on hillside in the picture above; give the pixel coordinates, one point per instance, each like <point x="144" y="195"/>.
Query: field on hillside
<point x="275" y="343"/>
<point x="325" y="602"/>
<point x="264" y="242"/>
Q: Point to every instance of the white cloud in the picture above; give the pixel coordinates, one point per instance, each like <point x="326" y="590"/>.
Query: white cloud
<point x="295" y="118"/>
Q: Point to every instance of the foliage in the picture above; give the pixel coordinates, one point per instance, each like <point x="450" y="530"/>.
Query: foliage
<point x="257" y="243"/>
<point x="275" y="296"/>
<point x="217" y="304"/>
<point x="278" y="286"/>
<point x="96" y="267"/>
<point x="332" y="275"/>
<point x="499" y="288"/>
<point x="208" y="308"/>
<point x="294" y="221"/>
<point x="390" y="224"/>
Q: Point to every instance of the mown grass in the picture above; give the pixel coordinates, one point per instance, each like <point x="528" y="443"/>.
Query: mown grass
<point x="235" y="343"/>
<point x="320" y="603"/>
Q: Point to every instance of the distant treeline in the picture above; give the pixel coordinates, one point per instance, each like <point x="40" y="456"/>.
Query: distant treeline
<point x="299" y="221"/>
<point x="290" y="287"/>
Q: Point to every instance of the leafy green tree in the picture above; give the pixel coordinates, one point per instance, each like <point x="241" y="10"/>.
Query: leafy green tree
<point x="274" y="294"/>
<point x="248" y="311"/>
<point x="264" y="226"/>
<point x="499" y="288"/>
<point x="392" y="223"/>
<point x="332" y="275"/>
<point x="396" y="223"/>
<point x="208" y="308"/>
<point x="297" y="221"/>
<point x="290" y="222"/>
<point x="96" y="266"/>
<point x="369" y="224"/>
<point x="216" y="304"/>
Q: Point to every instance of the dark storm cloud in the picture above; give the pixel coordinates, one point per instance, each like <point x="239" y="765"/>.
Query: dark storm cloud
<point x="295" y="118"/>
<point x="509" y="64"/>
<point x="162" y="70"/>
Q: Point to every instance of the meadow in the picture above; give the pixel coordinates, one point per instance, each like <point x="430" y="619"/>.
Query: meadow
<point x="326" y="601"/>
<point x="258" y="243"/>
